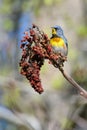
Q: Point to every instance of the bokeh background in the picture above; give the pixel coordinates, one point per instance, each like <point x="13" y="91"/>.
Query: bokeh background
<point x="59" y="107"/>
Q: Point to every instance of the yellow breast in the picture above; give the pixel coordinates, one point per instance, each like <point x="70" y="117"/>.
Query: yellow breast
<point x="57" y="42"/>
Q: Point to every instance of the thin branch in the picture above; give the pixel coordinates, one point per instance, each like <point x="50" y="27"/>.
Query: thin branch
<point x="74" y="83"/>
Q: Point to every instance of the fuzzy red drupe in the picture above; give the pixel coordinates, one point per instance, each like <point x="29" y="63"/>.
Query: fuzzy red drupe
<point x="35" y="49"/>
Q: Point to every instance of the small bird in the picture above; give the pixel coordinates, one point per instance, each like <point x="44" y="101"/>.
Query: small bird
<point x="58" y="41"/>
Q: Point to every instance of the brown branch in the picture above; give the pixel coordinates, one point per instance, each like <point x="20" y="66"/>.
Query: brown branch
<point x="74" y="83"/>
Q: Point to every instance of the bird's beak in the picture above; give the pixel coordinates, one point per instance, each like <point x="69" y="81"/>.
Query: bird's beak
<point x="54" y="31"/>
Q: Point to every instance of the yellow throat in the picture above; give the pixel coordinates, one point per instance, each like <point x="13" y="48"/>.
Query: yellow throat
<point x="57" y="42"/>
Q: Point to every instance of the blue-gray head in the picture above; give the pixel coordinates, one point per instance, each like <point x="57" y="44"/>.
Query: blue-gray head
<point x="57" y="30"/>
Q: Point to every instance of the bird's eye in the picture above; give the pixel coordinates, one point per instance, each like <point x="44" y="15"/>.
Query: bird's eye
<point x="58" y="29"/>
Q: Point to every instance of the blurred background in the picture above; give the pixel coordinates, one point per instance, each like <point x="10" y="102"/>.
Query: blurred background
<point x="59" y="107"/>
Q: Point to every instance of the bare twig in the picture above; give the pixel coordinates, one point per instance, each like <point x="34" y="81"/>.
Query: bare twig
<point x="74" y="83"/>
